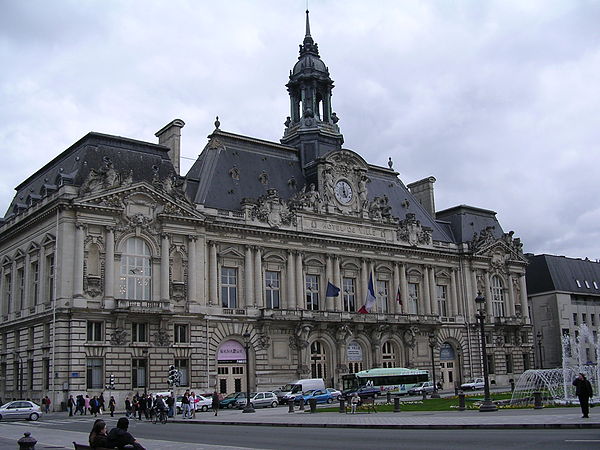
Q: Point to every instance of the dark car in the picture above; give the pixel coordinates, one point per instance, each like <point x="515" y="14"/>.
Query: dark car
<point x="230" y="400"/>
<point x="363" y="392"/>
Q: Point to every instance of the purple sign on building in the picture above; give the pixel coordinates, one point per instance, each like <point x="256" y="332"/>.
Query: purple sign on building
<point x="231" y="352"/>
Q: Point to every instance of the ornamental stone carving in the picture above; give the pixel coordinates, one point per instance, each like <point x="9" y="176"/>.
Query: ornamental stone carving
<point x="410" y="336"/>
<point x="161" y="338"/>
<point x="104" y="178"/>
<point x="308" y="200"/>
<point x="118" y="337"/>
<point x="273" y="210"/>
<point x="412" y="232"/>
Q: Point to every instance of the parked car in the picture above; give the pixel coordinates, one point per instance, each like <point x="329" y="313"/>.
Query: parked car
<point x="419" y="388"/>
<point x="231" y="400"/>
<point x="202" y="403"/>
<point x="472" y="385"/>
<point x="337" y="395"/>
<point x="363" y="392"/>
<point x="319" y="395"/>
<point x="259" y="399"/>
<point x="292" y="390"/>
<point x="20" y="409"/>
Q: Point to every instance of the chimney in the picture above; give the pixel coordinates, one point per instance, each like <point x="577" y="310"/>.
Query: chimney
<point x="423" y="192"/>
<point x="170" y="136"/>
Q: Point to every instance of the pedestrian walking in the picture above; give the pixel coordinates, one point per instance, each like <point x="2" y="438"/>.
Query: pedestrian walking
<point x="193" y="401"/>
<point x="215" y="402"/>
<point x="128" y="407"/>
<point x="80" y="402"/>
<point x="44" y="404"/>
<point x="583" y="390"/>
<point x="185" y="405"/>
<point x="171" y="404"/>
<point x="71" y="404"/>
<point x="111" y="406"/>
<point x="94" y="406"/>
<point x="101" y="406"/>
<point x="87" y="404"/>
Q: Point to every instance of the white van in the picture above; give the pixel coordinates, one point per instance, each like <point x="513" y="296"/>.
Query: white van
<point x="290" y="391"/>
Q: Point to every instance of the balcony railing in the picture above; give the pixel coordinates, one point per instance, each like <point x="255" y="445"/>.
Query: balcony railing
<point x="147" y="306"/>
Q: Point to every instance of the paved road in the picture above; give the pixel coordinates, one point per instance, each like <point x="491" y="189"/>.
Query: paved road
<point x="59" y="432"/>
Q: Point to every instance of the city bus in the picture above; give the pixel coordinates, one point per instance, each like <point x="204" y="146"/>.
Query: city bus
<point x="396" y="380"/>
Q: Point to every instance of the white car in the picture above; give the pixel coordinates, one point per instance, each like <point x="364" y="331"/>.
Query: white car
<point x="20" y="409"/>
<point x="258" y="399"/>
<point x="202" y="403"/>
<point x="472" y="385"/>
<point x="334" y="393"/>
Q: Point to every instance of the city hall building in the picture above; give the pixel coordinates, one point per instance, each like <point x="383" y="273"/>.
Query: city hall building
<point x="115" y="264"/>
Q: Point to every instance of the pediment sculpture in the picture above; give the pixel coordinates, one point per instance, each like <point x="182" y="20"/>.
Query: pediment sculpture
<point x="273" y="210"/>
<point x="412" y="232"/>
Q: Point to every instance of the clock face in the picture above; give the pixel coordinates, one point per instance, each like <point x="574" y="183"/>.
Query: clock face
<point x="343" y="192"/>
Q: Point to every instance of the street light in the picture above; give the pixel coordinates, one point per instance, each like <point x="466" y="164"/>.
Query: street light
<point x="432" y="343"/>
<point x="539" y="343"/>
<point x="487" y="404"/>
<point x="20" y="380"/>
<point x="248" y="408"/>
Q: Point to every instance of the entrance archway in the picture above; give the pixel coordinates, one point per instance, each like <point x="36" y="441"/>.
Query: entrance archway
<point x="448" y="366"/>
<point x="318" y="361"/>
<point x="231" y="364"/>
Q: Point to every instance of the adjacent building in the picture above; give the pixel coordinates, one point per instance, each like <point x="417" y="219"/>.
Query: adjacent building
<point x="564" y="293"/>
<point x="114" y="265"/>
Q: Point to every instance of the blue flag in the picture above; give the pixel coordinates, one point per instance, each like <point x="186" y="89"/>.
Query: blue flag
<point x="332" y="290"/>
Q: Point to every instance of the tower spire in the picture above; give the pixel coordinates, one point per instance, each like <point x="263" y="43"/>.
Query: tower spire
<point x="308" y="38"/>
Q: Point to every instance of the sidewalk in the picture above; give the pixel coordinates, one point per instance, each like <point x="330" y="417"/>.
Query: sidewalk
<point x="470" y="419"/>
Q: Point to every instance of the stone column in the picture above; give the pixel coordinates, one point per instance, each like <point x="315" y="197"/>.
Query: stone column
<point x="338" y="282"/>
<point x="213" y="295"/>
<point x="455" y="308"/>
<point x="258" y="278"/>
<point x="511" y="296"/>
<point x="395" y="306"/>
<point x="403" y="289"/>
<point x="192" y="270"/>
<point x="164" y="268"/>
<point x="524" y="304"/>
<point x="488" y="297"/>
<point x="248" y="279"/>
<point x="433" y="291"/>
<point x="109" y="264"/>
<point x="78" y="260"/>
<point x="426" y="291"/>
<point x="300" y="301"/>
<point x="291" y="281"/>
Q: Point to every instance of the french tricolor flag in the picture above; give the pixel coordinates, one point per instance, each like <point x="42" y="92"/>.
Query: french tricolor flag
<point x="370" y="300"/>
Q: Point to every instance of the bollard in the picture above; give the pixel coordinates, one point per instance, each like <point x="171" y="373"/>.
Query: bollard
<point x="537" y="400"/>
<point x="512" y="386"/>
<point x="396" y="404"/>
<point x="424" y="395"/>
<point x="301" y="404"/>
<point x="342" y="406"/>
<point x="26" y="442"/>
<point x="461" y="401"/>
<point x="313" y="405"/>
<point x="389" y="398"/>
<point x="290" y="406"/>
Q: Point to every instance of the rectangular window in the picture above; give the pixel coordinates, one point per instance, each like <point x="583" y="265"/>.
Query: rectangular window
<point x="349" y="286"/>
<point x="442" y="296"/>
<point x="509" y="364"/>
<point x="34" y="281"/>
<point x="30" y="373"/>
<point x="312" y="292"/>
<point x="229" y="287"/>
<point x="526" y="361"/>
<point x="3" y="376"/>
<point x="138" y="373"/>
<point x="593" y="319"/>
<point x="181" y="333"/>
<point x="20" y="298"/>
<point x="16" y="376"/>
<point x="524" y="337"/>
<point x="587" y="356"/>
<point x="46" y="372"/>
<point x="583" y="318"/>
<point x="49" y="278"/>
<point x="575" y="319"/>
<point x="94" y="373"/>
<point x="382" y="296"/>
<point x="491" y="365"/>
<point x="182" y="366"/>
<point x="139" y="332"/>
<point x="272" y="289"/>
<point x="94" y="331"/>
<point x="413" y="298"/>
<point x="7" y="294"/>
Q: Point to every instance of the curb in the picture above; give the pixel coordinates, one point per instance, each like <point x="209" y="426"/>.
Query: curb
<point x="530" y="426"/>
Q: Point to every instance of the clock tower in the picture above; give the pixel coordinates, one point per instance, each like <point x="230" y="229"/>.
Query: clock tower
<point x="311" y="126"/>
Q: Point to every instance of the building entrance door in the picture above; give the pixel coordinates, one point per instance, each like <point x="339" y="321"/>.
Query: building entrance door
<point x="448" y="367"/>
<point x="231" y="367"/>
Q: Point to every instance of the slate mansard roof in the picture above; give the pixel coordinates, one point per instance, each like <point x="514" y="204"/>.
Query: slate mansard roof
<point x="547" y="273"/>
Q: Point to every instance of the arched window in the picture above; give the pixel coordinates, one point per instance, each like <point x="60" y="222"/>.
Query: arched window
<point x="318" y="360"/>
<point x="136" y="270"/>
<point x="497" y="297"/>
<point x="389" y="354"/>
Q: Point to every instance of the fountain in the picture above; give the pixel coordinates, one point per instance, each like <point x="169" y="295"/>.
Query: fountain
<point x="556" y="384"/>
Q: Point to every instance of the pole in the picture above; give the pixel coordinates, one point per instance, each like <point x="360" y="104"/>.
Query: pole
<point x="248" y="408"/>
<point x="487" y="405"/>
<point x="432" y="340"/>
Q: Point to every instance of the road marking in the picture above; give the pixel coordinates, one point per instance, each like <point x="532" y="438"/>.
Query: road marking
<point x="582" y="440"/>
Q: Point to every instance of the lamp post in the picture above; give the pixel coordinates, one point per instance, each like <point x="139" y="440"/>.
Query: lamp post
<point x="487" y="404"/>
<point x="539" y="343"/>
<point x="20" y="380"/>
<point x="248" y="408"/>
<point x="432" y="343"/>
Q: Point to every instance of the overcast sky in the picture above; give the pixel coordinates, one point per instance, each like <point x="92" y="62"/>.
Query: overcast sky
<point x="499" y="100"/>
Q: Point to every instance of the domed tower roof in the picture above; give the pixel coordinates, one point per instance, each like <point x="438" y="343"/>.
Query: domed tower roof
<point x="312" y="126"/>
